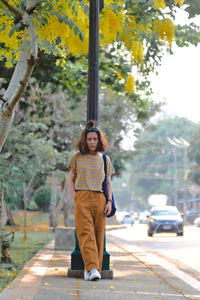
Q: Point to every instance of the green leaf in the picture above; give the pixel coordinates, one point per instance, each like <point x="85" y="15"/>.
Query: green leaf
<point x="12" y="31"/>
<point x="1" y="29"/>
<point x="194" y="7"/>
<point x="76" y="31"/>
<point x="81" y="36"/>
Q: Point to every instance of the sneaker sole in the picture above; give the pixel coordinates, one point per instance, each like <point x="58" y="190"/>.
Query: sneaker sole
<point x="94" y="279"/>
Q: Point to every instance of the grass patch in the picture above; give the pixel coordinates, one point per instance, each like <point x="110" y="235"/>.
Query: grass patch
<point x="22" y="251"/>
<point x="36" y="220"/>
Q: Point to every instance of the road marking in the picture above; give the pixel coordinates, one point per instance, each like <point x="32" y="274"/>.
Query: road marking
<point x="168" y="295"/>
<point x="153" y="259"/>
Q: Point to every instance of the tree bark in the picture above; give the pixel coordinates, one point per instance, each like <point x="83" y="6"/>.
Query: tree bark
<point x="10" y="220"/>
<point x="21" y="75"/>
<point x="52" y="209"/>
<point x="61" y="203"/>
<point x="3" y="212"/>
<point x="68" y="205"/>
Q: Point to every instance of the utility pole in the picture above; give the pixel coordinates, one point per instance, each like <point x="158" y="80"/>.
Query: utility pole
<point x="175" y="177"/>
<point x="180" y="143"/>
<point x="174" y="152"/>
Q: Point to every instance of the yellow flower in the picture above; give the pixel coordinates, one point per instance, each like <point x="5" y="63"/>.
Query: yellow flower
<point x="130" y="84"/>
<point x="14" y="2"/>
<point x="132" y="22"/>
<point x="109" y="25"/>
<point x="165" y="29"/>
<point x="178" y="2"/>
<point x="169" y="30"/>
<point x="137" y="51"/>
<point x="120" y="76"/>
<point x="157" y="26"/>
<point x="159" y="4"/>
<point x="141" y="27"/>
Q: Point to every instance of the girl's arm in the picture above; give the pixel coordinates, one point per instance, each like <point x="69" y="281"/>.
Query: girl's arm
<point x="108" y="207"/>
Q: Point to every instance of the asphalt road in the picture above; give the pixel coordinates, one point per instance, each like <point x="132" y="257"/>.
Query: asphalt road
<point x="177" y="255"/>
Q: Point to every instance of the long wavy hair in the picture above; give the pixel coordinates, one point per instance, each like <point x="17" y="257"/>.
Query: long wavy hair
<point x="81" y="143"/>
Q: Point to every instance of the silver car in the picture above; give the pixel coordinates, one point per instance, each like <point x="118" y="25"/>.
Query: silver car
<point x="165" y="219"/>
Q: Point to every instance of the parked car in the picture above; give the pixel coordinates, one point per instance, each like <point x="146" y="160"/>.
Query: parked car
<point x="197" y="222"/>
<point x="128" y="219"/>
<point x="165" y="219"/>
<point x="120" y="216"/>
<point x="191" y="215"/>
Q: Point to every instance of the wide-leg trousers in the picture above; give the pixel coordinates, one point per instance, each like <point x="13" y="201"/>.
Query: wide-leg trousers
<point x="89" y="209"/>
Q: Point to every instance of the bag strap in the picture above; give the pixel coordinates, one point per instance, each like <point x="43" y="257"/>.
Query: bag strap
<point x="105" y="165"/>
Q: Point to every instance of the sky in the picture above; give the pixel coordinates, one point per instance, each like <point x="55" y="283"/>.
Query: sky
<point x="178" y="81"/>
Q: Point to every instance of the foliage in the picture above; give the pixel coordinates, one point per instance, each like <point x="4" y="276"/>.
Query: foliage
<point x="62" y="28"/>
<point x="30" y="158"/>
<point x="152" y="167"/>
<point x="42" y="197"/>
<point x="194" y="172"/>
<point x="63" y="123"/>
<point x="193" y="8"/>
<point x="117" y="118"/>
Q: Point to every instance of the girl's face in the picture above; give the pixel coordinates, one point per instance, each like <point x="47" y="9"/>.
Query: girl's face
<point x="92" y="141"/>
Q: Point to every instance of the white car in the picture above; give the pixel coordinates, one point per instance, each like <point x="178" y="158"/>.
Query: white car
<point x="197" y="222"/>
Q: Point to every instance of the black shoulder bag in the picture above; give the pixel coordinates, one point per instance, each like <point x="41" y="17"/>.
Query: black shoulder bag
<point x="105" y="189"/>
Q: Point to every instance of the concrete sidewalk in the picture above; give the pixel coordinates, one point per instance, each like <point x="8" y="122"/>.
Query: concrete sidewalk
<point x="45" y="277"/>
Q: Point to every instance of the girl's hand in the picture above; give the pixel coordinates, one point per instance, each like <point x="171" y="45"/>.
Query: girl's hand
<point x="108" y="208"/>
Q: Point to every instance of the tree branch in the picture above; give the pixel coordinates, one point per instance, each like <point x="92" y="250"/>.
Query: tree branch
<point x="11" y="8"/>
<point x="23" y="83"/>
<point x="23" y="70"/>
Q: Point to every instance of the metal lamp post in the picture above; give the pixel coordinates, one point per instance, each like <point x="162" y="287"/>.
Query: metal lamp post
<point x="77" y="265"/>
<point x="93" y="62"/>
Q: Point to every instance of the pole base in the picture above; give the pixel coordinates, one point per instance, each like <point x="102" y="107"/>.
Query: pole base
<point x="6" y="260"/>
<point x="105" y="274"/>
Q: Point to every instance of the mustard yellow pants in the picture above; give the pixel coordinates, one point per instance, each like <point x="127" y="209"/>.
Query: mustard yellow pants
<point x="90" y="227"/>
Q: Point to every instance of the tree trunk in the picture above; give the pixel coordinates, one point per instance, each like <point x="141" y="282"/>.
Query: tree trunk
<point x="25" y="214"/>
<point x="68" y="205"/>
<point x="3" y="212"/>
<point x="52" y="208"/>
<point x="17" y="86"/>
<point x="10" y="220"/>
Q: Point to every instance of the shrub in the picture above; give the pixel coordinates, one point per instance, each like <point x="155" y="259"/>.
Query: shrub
<point x="42" y="197"/>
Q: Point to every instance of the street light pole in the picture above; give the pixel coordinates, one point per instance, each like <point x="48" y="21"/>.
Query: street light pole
<point x="77" y="265"/>
<point x="93" y="61"/>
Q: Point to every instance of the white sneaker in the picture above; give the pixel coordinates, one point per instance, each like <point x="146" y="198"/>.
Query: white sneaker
<point x="86" y="275"/>
<point x="94" y="275"/>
